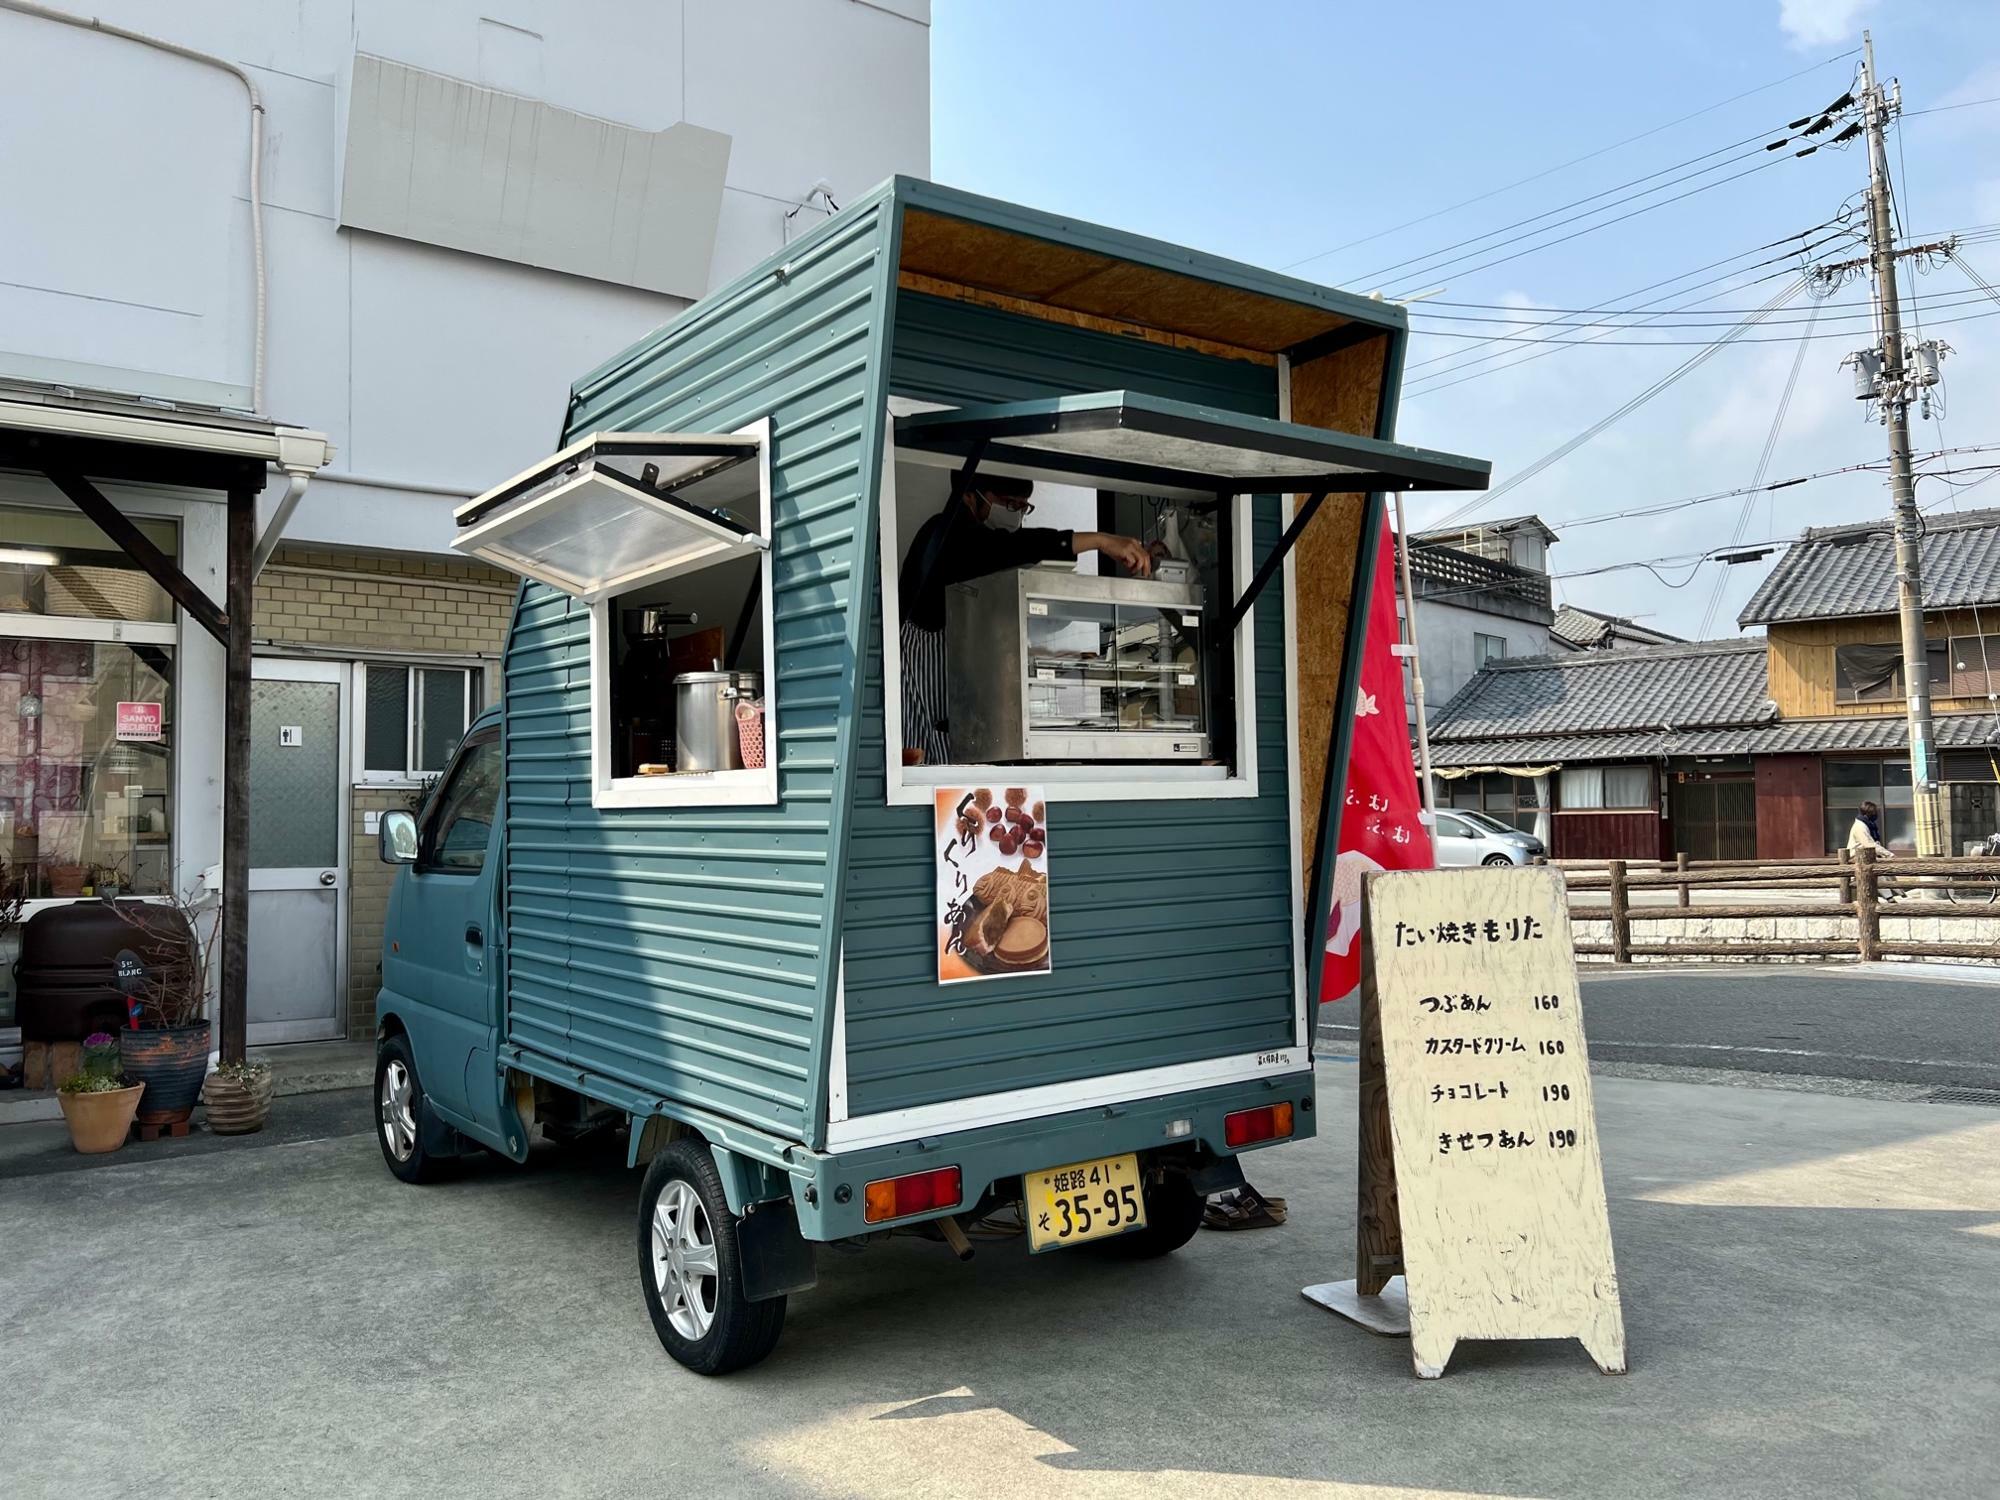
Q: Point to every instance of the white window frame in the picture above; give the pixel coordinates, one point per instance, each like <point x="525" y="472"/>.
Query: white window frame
<point x="409" y="776"/>
<point x="916" y="786"/>
<point x="748" y="788"/>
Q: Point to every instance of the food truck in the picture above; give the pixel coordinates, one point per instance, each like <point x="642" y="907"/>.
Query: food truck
<point x="992" y="905"/>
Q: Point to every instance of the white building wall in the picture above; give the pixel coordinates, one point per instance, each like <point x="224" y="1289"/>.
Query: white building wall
<point x="126" y="225"/>
<point x="1446" y="647"/>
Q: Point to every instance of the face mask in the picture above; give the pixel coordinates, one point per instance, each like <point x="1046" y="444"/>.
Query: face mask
<point x="1004" y="518"/>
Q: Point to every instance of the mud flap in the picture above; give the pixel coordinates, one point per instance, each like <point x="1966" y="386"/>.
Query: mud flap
<point x="774" y="1256"/>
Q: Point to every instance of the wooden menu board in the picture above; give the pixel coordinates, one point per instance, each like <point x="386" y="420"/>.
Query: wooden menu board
<point x="1491" y="1196"/>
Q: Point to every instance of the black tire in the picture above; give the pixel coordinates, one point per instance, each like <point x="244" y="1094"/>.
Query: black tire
<point x="399" y="1114"/>
<point x="735" y="1332"/>
<point x="1173" y="1215"/>
<point x="1496" y="859"/>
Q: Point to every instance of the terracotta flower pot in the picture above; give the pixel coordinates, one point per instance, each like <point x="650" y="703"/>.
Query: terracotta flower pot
<point x="171" y="1062"/>
<point x="100" y="1122"/>
<point x="238" y="1108"/>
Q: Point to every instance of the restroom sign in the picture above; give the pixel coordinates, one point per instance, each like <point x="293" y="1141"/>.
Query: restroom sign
<point x="140" y="721"/>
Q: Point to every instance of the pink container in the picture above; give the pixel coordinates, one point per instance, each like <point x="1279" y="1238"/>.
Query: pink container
<point x="750" y="732"/>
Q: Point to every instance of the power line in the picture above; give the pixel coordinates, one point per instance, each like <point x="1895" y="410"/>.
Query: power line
<point x="1710" y="317"/>
<point x="1468" y="358"/>
<point x="1685" y="367"/>
<point x="1834" y="333"/>
<point x="1574" y="161"/>
<point x="1430" y="271"/>
<point x="1763" y="467"/>
<point x="1397" y="267"/>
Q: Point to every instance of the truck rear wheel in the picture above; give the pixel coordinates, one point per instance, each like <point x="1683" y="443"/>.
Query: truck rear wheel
<point x="1173" y="1214"/>
<point x="690" y="1271"/>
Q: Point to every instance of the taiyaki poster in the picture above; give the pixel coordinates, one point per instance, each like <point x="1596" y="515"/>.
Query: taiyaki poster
<point x="992" y="882"/>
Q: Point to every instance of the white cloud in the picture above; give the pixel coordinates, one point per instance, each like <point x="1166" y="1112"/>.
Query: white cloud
<point x="1819" y="23"/>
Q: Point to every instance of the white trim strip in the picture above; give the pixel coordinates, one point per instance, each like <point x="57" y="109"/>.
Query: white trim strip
<point x="891" y="1127"/>
<point x="1294" y="770"/>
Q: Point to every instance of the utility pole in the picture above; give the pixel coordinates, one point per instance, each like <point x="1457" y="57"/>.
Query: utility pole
<point x="1896" y="388"/>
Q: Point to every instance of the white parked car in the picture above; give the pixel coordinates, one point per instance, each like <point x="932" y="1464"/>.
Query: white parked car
<point x="1465" y="837"/>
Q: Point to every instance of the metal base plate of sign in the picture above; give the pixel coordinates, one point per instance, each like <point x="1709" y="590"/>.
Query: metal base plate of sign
<point x="1481" y="1211"/>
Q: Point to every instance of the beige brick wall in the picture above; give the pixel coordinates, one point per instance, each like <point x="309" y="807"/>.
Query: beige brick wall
<point x="353" y="605"/>
<point x="368" y="883"/>
<point x="365" y="602"/>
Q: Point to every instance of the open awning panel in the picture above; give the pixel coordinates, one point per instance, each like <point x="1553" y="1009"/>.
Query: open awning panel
<point x="1145" y="443"/>
<point x="617" y="510"/>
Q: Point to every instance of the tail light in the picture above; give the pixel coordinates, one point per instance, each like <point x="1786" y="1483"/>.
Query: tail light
<point x="922" y="1192"/>
<point x="1273" y="1122"/>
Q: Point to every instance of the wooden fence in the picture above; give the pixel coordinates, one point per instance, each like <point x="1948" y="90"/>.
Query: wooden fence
<point x="1856" y="892"/>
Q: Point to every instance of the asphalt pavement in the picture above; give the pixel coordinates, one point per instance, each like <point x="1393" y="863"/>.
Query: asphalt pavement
<point x="1811" y="1287"/>
<point x="1843" y="1023"/>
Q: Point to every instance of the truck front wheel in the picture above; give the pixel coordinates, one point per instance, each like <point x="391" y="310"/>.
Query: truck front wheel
<point x="690" y="1271"/>
<point x="399" y="1114"/>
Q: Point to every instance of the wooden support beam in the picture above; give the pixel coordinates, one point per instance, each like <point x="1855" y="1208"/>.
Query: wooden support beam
<point x="136" y="545"/>
<point x="233" y="1000"/>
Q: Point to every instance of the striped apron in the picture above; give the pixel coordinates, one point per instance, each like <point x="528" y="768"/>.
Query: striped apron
<point x="924" y="724"/>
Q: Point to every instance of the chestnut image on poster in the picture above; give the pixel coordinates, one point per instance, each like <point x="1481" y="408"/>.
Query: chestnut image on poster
<point x="992" y="882"/>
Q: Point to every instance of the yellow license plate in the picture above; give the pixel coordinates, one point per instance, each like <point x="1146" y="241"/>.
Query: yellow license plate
<point x="1086" y="1200"/>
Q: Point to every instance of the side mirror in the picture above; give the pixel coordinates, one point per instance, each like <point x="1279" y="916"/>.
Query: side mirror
<point x="398" y="838"/>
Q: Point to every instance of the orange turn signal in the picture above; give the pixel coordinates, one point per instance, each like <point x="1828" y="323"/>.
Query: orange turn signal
<point x="920" y="1192"/>
<point x="1272" y="1122"/>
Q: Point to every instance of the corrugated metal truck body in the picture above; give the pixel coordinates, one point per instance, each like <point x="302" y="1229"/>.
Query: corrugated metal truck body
<point x="759" y="972"/>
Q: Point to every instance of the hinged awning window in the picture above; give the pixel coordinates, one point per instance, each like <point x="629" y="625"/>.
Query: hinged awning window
<point x="619" y="510"/>
<point x="1129" y="440"/>
<point x="1132" y="441"/>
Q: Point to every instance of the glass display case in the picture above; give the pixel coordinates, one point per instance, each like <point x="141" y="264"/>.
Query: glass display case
<point x="1050" y="664"/>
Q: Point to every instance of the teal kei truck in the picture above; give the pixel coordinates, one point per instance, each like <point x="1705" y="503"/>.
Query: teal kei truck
<point x="874" y="861"/>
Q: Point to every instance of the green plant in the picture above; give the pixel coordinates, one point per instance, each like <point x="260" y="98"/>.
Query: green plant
<point x="421" y="794"/>
<point x="100" y="1055"/>
<point x="91" y="1083"/>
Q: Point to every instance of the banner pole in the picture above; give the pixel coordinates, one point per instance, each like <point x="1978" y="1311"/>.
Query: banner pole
<point x="1416" y="668"/>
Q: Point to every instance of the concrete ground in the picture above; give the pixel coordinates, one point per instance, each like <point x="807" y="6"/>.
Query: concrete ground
<point x="1811" y="1284"/>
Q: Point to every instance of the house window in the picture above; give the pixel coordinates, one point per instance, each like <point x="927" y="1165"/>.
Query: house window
<point x="1975" y="666"/>
<point x="1487" y="648"/>
<point x="1606" y="788"/>
<point x="1510" y="799"/>
<point x="1886" y="783"/>
<point x="412" y="717"/>
<point x="1874" y="674"/>
<point x="1119" y="690"/>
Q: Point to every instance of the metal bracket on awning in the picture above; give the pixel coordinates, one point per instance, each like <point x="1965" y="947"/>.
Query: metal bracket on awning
<point x="1269" y="566"/>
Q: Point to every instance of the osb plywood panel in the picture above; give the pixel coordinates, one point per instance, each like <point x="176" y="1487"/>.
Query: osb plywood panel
<point x="1802" y="664"/>
<point x="911" y="281"/>
<point x="1499" y="1181"/>
<point x="1341" y="392"/>
<point x="1063" y="276"/>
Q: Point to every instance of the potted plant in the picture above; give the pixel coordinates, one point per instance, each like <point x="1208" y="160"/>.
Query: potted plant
<point x="166" y="1047"/>
<point x="97" y="1104"/>
<point x="238" y="1096"/>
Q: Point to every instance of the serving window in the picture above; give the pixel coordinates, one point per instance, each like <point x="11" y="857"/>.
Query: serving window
<point x="1111" y="685"/>
<point x="667" y="537"/>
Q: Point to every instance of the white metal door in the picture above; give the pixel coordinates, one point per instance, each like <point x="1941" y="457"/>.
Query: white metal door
<point x="298" y="850"/>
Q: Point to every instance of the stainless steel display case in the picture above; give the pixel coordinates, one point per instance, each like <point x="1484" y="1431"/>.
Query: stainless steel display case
<point x="1047" y="664"/>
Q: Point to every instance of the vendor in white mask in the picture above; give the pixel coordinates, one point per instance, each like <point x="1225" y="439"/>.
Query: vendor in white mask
<point x="978" y="532"/>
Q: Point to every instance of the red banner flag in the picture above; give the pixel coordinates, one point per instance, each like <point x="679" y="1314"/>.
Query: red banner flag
<point x="1379" y="824"/>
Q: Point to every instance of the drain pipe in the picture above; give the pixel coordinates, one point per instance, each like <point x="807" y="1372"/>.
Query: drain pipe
<point x="93" y="23"/>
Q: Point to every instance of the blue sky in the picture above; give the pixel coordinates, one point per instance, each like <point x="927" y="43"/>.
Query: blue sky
<point x="1271" y="132"/>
